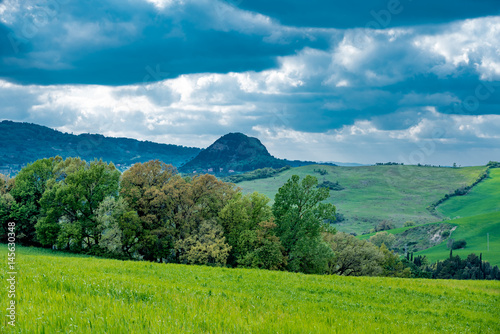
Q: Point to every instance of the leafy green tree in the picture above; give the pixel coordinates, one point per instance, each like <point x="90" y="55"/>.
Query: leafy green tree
<point x="30" y="185"/>
<point x="170" y="207"/>
<point x="141" y="187"/>
<point x="6" y="202"/>
<point x="392" y="265"/>
<point x="384" y="226"/>
<point x="459" y="244"/>
<point x="108" y="215"/>
<point x="206" y="246"/>
<point x="383" y="237"/>
<point x="72" y="203"/>
<point x="354" y="257"/>
<point x="300" y="218"/>
<point x="132" y="234"/>
<point x="243" y="214"/>
<point x="261" y="248"/>
<point x="409" y="223"/>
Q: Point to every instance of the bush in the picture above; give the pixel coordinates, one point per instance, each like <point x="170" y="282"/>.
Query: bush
<point x="383" y="226"/>
<point x="331" y="185"/>
<point x="383" y="238"/>
<point x="409" y="224"/>
<point x="493" y="164"/>
<point x="445" y="234"/>
<point x="321" y="171"/>
<point x="459" y="244"/>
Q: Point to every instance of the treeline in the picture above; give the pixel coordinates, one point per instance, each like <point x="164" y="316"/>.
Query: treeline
<point x="472" y="267"/>
<point x="150" y="212"/>
<point x="389" y="164"/>
<point x="261" y="173"/>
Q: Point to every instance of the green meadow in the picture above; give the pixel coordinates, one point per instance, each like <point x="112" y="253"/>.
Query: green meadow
<point x="61" y="293"/>
<point x="375" y="193"/>
<point x="480" y="210"/>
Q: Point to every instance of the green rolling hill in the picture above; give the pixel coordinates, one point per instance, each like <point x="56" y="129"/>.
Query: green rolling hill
<point x="483" y="198"/>
<point x="375" y="193"/>
<point x="480" y="212"/>
<point x="474" y="230"/>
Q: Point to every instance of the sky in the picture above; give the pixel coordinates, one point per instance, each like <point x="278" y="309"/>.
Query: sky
<point x="362" y="81"/>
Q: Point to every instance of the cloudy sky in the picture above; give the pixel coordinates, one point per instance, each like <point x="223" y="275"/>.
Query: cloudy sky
<point x="361" y="81"/>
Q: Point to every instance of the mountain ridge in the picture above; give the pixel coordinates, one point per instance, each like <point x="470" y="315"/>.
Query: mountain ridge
<point x="22" y="143"/>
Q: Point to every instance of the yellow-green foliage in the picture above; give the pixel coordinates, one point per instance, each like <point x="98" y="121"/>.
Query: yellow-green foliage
<point x="57" y="293"/>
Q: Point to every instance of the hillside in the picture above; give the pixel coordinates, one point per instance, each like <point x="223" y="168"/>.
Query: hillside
<point x="481" y="216"/>
<point x="372" y="194"/>
<point x="480" y="210"/>
<point x="235" y="152"/>
<point x="483" y="198"/>
<point x="68" y="293"/>
<point x="474" y="231"/>
<point x="22" y="143"/>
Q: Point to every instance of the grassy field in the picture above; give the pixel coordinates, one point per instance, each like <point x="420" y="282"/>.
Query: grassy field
<point x="376" y="193"/>
<point x="483" y="198"/>
<point x="57" y="293"/>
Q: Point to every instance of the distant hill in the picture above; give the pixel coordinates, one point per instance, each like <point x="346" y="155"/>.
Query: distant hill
<point x="22" y="143"/>
<point x="236" y="152"/>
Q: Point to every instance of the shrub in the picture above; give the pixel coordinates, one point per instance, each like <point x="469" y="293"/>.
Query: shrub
<point x="331" y="185"/>
<point x="383" y="226"/>
<point x="459" y="244"/>
<point x="409" y="224"/>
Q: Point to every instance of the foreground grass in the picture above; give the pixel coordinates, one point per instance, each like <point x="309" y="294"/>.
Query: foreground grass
<point x="76" y="294"/>
<point x="474" y="230"/>
<point x="376" y="193"/>
<point x="483" y="198"/>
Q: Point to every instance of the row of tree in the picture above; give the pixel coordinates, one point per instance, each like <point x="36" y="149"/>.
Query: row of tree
<point x="151" y="212"/>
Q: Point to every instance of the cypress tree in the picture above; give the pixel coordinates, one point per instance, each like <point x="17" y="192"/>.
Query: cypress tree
<point x="481" y="266"/>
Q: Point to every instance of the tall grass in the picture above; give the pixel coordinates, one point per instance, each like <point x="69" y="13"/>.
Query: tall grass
<point x="77" y="294"/>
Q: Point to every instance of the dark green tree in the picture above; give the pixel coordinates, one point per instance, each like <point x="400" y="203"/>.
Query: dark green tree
<point x="70" y="205"/>
<point x="30" y="185"/>
<point x="300" y="218"/>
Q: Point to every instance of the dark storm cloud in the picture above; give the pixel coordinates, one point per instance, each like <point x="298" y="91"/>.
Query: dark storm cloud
<point x="116" y="43"/>
<point x="187" y="72"/>
<point x="370" y="13"/>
